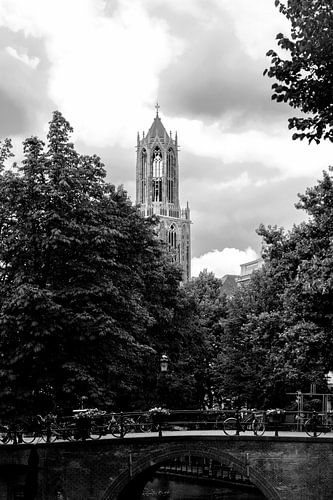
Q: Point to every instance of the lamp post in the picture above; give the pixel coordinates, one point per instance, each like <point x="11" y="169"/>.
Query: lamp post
<point x="83" y="399"/>
<point x="164" y="362"/>
<point x="161" y="379"/>
<point x="329" y="380"/>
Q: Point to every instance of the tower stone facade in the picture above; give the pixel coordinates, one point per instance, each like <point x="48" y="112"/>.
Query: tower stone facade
<point x="157" y="190"/>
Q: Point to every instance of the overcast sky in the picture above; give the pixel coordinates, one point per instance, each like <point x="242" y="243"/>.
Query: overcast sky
<point x="104" y="63"/>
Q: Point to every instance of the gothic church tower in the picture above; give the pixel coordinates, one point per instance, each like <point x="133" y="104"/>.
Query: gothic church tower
<point x="157" y="190"/>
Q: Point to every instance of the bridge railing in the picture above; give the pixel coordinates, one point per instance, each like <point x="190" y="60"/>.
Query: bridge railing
<point x="87" y="424"/>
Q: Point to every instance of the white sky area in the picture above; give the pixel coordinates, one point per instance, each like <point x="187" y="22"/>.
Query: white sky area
<point x="223" y="262"/>
<point x="104" y="64"/>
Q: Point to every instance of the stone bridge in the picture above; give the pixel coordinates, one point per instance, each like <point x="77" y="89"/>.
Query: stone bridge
<point x="293" y="468"/>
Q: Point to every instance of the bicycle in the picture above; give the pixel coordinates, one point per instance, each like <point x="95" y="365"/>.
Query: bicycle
<point x="120" y="425"/>
<point x="65" y="431"/>
<point x="87" y="423"/>
<point x="317" y="424"/>
<point x="39" y="428"/>
<point x="9" y="434"/>
<point x="247" y="420"/>
<point x="145" y="423"/>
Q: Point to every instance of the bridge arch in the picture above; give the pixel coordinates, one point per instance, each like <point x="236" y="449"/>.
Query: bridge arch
<point x="143" y="463"/>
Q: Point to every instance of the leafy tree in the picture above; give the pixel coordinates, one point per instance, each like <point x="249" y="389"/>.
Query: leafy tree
<point x="244" y="368"/>
<point x="209" y="308"/>
<point x="190" y="337"/>
<point x="305" y="76"/>
<point x="278" y="331"/>
<point x="79" y="267"/>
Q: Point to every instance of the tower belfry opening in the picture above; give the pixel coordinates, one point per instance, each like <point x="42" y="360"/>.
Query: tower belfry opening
<point x="157" y="190"/>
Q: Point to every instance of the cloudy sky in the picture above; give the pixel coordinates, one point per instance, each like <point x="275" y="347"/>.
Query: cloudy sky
<point x="104" y="63"/>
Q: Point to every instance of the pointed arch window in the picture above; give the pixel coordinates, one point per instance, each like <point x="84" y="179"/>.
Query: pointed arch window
<point x="157" y="175"/>
<point x="157" y="162"/>
<point x="143" y="163"/>
<point x="172" y="237"/>
<point x="171" y="175"/>
<point x="143" y="175"/>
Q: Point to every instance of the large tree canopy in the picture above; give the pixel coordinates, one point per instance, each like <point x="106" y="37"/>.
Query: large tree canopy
<point x="209" y="309"/>
<point x="278" y="331"/>
<point x="305" y="76"/>
<point x="84" y="281"/>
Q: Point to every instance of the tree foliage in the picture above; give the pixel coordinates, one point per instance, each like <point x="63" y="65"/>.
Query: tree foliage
<point x="209" y="309"/>
<point x="244" y="367"/>
<point x="278" y="331"/>
<point x="84" y="281"/>
<point x="305" y="75"/>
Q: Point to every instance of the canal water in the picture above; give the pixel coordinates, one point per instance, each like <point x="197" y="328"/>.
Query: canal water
<point x="166" y="489"/>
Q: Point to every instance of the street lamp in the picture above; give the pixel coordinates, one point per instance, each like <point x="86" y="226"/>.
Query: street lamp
<point x="83" y="399"/>
<point x="329" y="379"/>
<point x="164" y="362"/>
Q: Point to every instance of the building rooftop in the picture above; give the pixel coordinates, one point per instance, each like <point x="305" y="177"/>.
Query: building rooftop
<point x="157" y="129"/>
<point x="229" y="284"/>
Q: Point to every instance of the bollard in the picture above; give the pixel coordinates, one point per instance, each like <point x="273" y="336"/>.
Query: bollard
<point x="48" y="432"/>
<point x="276" y="434"/>
<point x="122" y="433"/>
<point x="314" y="420"/>
<point x="238" y="427"/>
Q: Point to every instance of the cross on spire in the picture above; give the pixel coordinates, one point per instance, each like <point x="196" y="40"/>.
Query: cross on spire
<point x="157" y="107"/>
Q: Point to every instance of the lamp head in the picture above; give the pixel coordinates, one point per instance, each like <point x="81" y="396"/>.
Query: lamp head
<point x="164" y="361"/>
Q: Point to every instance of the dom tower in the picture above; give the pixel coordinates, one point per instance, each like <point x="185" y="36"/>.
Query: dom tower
<point x="157" y="190"/>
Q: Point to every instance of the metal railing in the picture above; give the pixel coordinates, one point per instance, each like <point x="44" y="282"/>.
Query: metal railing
<point x="229" y="422"/>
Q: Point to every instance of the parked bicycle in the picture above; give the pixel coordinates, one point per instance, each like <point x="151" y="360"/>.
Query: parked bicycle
<point x="35" y="429"/>
<point x="84" y="425"/>
<point x="317" y="424"/>
<point x="245" y="420"/>
<point x="10" y="434"/>
<point x="88" y="423"/>
<point x="120" y="425"/>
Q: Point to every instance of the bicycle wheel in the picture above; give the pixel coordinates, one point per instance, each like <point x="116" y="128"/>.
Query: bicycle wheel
<point x="96" y="432"/>
<point x="5" y="438"/>
<point x="258" y="427"/>
<point x="131" y="425"/>
<point x="230" y="426"/>
<point x="144" y="423"/>
<point x="29" y="437"/>
<point x="4" y="435"/>
<point x="311" y="429"/>
<point x="54" y="433"/>
<point x="67" y="432"/>
<point x="114" y="427"/>
<point x="70" y="436"/>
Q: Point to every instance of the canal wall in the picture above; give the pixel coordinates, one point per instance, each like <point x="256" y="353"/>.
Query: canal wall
<point x="286" y="468"/>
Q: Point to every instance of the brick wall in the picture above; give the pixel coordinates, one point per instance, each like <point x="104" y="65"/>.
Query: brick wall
<point x="282" y="468"/>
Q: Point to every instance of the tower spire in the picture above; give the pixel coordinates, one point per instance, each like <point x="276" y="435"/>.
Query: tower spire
<point x="157" y="107"/>
<point x="157" y="191"/>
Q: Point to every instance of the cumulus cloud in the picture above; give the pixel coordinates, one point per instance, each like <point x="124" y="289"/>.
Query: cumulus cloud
<point x="104" y="69"/>
<point x="103" y="64"/>
<point x="221" y="262"/>
<point x="291" y="158"/>
<point x="256" y="24"/>
<point x="220" y="91"/>
<point x="107" y="65"/>
<point x="229" y="218"/>
<point x="29" y="61"/>
<point x="24" y="100"/>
